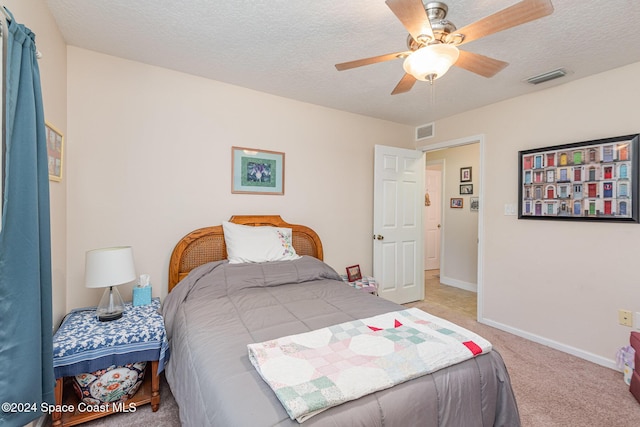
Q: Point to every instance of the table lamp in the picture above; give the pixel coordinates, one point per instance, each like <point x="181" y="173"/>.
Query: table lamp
<point x="108" y="268"/>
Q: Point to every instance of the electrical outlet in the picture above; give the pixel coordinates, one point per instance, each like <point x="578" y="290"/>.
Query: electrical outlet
<point x="625" y="317"/>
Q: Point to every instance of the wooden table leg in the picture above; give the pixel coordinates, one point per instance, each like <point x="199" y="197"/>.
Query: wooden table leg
<point x="57" y="416"/>
<point x="155" y="386"/>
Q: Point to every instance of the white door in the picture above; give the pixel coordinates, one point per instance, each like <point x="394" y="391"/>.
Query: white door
<point x="398" y="194"/>
<point x="432" y="212"/>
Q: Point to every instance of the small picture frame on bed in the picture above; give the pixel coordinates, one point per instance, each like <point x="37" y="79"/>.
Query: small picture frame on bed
<point x="255" y="171"/>
<point x="353" y="273"/>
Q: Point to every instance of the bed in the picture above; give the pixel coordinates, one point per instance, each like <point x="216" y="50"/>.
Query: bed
<point x="216" y="309"/>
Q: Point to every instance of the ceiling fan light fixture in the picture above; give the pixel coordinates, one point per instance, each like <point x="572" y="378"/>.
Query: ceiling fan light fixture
<point x="431" y="62"/>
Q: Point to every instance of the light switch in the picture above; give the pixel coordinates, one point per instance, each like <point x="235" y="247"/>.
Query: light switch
<point x="509" y="209"/>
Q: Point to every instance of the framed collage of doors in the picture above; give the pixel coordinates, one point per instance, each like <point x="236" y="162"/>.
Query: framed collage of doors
<point x="585" y="181"/>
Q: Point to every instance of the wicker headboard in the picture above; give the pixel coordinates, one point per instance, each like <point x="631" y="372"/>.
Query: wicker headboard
<point x="207" y="244"/>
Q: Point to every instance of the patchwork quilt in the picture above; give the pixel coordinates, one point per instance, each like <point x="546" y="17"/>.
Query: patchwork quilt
<point x="316" y="370"/>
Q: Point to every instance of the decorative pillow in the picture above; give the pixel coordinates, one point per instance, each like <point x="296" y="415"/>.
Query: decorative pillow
<point x="257" y="244"/>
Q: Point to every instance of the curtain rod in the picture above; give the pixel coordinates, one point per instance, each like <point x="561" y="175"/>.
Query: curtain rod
<point x="8" y="18"/>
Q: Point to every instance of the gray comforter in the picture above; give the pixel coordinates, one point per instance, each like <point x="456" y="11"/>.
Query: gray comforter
<point x="219" y="308"/>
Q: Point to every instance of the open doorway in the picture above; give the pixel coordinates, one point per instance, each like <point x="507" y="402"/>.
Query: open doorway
<point x="452" y="238"/>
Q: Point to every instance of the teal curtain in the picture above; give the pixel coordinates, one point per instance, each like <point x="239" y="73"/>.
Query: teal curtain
<point x="26" y="350"/>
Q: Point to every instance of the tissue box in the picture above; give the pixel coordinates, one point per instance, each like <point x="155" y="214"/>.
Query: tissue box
<point x="141" y="296"/>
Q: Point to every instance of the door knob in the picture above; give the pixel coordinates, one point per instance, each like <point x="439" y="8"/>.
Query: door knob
<point x="378" y="237"/>
<point x="438" y="225"/>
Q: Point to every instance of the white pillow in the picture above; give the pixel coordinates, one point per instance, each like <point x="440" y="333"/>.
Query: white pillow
<point x="246" y="243"/>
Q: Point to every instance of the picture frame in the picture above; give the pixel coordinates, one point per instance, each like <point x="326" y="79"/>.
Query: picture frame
<point x="474" y="204"/>
<point x="55" y="151"/>
<point x="466" y="188"/>
<point x="257" y="171"/>
<point x="353" y="273"/>
<point x="456" y="203"/>
<point x="465" y="174"/>
<point x="583" y="181"/>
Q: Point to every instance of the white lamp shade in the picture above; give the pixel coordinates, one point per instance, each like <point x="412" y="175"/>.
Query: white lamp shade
<point x="109" y="267"/>
<point x="432" y="61"/>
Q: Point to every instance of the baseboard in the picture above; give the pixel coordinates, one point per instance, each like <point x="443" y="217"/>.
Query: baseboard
<point x="599" y="360"/>
<point x="471" y="287"/>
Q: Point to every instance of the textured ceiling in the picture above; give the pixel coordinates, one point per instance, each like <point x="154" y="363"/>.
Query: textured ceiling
<point x="289" y="48"/>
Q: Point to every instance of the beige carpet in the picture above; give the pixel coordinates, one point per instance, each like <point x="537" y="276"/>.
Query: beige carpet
<point x="552" y="388"/>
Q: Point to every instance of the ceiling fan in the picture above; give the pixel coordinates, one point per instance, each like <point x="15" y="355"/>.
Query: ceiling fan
<point x="433" y="41"/>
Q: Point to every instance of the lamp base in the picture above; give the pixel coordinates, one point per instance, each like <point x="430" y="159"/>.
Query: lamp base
<point x="109" y="317"/>
<point x="111" y="305"/>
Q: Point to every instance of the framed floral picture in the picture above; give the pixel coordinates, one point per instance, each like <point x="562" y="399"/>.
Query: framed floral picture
<point x="255" y="171"/>
<point x="55" y="149"/>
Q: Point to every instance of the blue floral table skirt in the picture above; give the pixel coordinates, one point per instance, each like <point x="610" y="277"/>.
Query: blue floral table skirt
<point x="85" y="344"/>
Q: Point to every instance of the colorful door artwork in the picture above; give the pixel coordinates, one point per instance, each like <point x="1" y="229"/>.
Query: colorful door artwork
<point x="622" y="190"/>
<point x="582" y="180"/>
<point x="563" y="159"/>
<point x="538" y="162"/>
<point x="563" y="191"/>
<point x="623" y="208"/>
<point x="623" y="152"/>
<point x="576" y="208"/>
<point x="551" y="160"/>
<point x="538" y="193"/>
<point x="623" y="171"/>
<point x="577" y="191"/>
<point x="577" y="157"/>
<point x="537" y="176"/>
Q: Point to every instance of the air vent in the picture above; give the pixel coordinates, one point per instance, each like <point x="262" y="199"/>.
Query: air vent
<point x="425" y="131"/>
<point x="545" y="77"/>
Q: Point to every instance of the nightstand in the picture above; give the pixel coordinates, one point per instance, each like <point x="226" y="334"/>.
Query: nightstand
<point x="83" y="344"/>
<point x="366" y="284"/>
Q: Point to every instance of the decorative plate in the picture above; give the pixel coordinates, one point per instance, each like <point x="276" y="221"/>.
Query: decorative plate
<point x="114" y="384"/>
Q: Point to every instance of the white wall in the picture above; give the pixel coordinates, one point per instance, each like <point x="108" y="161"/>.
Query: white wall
<point x="53" y="75"/>
<point x="557" y="282"/>
<point x="149" y="160"/>
<point x="459" y="251"/>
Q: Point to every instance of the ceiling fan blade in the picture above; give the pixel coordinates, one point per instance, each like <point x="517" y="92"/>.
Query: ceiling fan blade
<point x="373" y="60"/>
<point x="520" y="13"/>
<point x="404" y="85"/>
<point x="480" y="64"/>
<point x="413" y="16"/>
